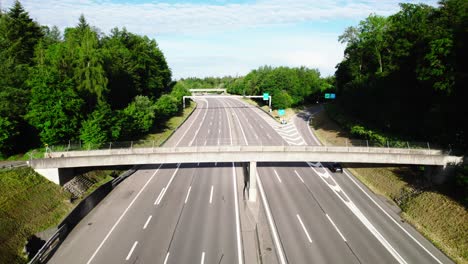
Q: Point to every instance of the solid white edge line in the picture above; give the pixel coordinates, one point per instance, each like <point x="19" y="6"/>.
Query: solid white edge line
<point x="159" y="196"/>
<point x="310" y="130"/>
<point x="188" y="193"/>
<point x="147" y="221"/>
<point x="394" y="221"/>
<point x="167" y="257"/>
<point x="304" y="228"/>
<point x="277" y="176"/>
<point x="211" y="194"/>
<point x="337" y="230"/>
<point x="183" y="135"/>
<point x="236" y="205"/>
<point x="121" y="216"/>
<point x="131" y="250"/>
<point x="270" y="221"/>
<point x="300" y="178"/>
<point x="202" y="258"/>
<point x="169" y="183"/>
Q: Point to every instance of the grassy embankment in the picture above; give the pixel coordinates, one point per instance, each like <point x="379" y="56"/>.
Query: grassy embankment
<point x="29" y="203"/>
<point x="438" y="217"/>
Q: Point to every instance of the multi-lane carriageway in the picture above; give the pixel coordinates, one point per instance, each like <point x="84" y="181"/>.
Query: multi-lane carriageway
<point x="189" y="213"/>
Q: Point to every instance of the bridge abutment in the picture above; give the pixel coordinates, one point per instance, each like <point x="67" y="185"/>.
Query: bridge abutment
<point x="59" y="176"/>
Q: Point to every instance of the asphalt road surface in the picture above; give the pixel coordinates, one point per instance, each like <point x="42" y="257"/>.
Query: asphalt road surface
<point x="188" y="213"/>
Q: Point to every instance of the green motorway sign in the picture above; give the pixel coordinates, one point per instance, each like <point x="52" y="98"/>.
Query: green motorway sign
<point x="266" y="96"/>
<point x="281" y="112"/>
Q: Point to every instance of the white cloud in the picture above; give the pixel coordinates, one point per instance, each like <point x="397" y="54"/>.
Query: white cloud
<point x="189" y="33"/>
<point x="185" y="18"/>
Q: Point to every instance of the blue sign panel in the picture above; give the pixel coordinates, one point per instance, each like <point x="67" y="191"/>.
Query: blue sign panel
<point x="332" y="96"/>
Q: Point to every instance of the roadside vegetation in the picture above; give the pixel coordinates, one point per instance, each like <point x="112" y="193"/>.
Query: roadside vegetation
<point x="29" y="204"/>
<point x="405" y="75"/>
<point x="438" y="212"/>
<point x="79" y="84"/>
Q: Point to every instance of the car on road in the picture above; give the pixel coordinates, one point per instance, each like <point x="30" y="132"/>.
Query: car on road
<point x="335" y="167"/>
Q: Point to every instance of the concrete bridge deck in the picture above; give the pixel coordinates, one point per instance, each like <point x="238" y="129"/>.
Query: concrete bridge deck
<point x="109" y="157"/>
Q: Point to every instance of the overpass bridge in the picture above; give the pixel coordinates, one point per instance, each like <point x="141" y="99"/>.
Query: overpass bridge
<point x="58" y="166"/>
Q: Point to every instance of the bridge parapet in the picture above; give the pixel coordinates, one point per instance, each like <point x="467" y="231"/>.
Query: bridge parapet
<point x="245" y="154"/>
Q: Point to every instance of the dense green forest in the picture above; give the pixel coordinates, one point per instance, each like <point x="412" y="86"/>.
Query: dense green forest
<point x="287" y="86"/>
<point x="79" y="84"/>
<point x="406" y="74"/>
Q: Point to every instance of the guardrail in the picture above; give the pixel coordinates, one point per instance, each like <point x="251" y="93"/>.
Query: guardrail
<point x="80" y="146"/>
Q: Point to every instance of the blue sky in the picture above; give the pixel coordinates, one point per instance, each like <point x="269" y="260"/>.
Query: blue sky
<point x="218" y="37"/>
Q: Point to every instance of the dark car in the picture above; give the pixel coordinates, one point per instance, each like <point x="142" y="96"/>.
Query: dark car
<point x="335" y="167"/>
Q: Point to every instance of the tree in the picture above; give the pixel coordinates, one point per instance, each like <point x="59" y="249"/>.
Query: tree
<point x="166" y="106"/>
<point x="100" y="127"/>
<point x="55" y="109"/>
<point x="89" y="73"/>
<point x="22" y="33"/>
<point x="19" y="35"/>
<point x="372" y="35"/>
<point x="138" y="117"/>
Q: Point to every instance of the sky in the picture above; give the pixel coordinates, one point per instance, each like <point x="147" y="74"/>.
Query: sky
<point x="201" y="38"/>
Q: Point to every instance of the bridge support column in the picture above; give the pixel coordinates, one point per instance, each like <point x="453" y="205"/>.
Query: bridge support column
<point x="253" y="181"/>
<point x="59" y="176"/>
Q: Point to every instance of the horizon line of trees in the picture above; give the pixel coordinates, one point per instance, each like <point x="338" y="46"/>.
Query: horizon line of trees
<point x="287" y="86"/>
<point x="79" y="84"/>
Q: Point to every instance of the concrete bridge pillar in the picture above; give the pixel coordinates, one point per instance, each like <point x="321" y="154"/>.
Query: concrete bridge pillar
<point x="253" y="181"/>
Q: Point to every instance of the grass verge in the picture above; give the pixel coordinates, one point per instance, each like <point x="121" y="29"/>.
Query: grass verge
<point x="29" y="204"/>
<point x="160" y="136"/>
<point x="438" y="217"/>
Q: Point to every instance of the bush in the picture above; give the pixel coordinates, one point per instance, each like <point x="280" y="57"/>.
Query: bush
<point x="100" y="127"/>
<point x="166" y="106"/>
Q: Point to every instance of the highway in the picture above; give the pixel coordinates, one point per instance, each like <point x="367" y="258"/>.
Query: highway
<point x="188" y="213"/>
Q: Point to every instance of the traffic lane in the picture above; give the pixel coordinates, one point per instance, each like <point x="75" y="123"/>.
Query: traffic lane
<point x="208" y="131"/>
<point x="238" y="137"/>
<point x="130" y="229"/>
<point x="261" y="127"/>
<point x="207" y="223"/>
<point x="363" y="244"/>
<point x="393" y="228"/>
<point x="302" y="123"/>
<point x="249" y="137"/>
<point x="238" y="134"/>
<point x="232" y="132"/>
<point x="213" y="136"/>
<point x="257" y="130"/>
<point x="306" y="234"/>
<point x="83" y="240"/>
<point x="156" y="231"/>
